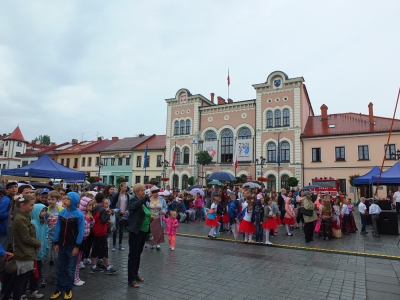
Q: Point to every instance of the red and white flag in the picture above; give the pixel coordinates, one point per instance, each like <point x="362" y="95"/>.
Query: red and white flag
<point x="236" y="155"/>
<point x="173" y="159"/>
<point x="229" y="79"/>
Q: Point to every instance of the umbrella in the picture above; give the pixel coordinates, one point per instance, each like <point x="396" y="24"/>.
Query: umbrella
<point x="22" y="183"/>
<point x="197" y="190"/>
<point x="251" y="185"/>
<point x="309" y="187"/>
<point x="39" y="185"/>
<point x="193" y="187"/>
<point x="215" y="182"/>
<point x="92" y="185"/>
<point x="225" y="176"/>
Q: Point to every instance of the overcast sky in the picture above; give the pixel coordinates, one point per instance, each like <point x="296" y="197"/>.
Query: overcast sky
<point x="73" y="68"/>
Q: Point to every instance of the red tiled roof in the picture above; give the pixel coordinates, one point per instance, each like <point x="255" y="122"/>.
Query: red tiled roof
<point x="99" y="146"/>
<point x="16" y="135"/>
<point x="77" y="148"/>
<point x="155" y="142"/>
<point x="347" y="124"/>
<point x="128" y="143"/>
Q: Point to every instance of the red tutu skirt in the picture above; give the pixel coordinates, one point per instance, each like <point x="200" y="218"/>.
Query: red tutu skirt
<point x="336" y="225"/>
<point x="270" y="224"/>
<point x="288" y="221"/>
<point x="247" y="227"/>
<point x="278" y="219"/>
<point x="225" y="218"/>
<point x="212" y="223"/>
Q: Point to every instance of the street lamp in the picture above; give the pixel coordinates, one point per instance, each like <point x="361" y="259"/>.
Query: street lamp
<point x="165" y="165"/>
<point x="100" y="165"/>
<point x="260" y="162"/>
<point x="395" y="155"/>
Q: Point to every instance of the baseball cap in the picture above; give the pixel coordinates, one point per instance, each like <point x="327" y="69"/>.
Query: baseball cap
<point x="44" y="191"/>
<point x="307" y="193"/>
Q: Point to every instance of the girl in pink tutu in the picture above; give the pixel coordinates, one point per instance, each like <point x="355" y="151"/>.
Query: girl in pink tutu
<point x="212" y="218"/>
<point x="269" y="222"/>
<point x="246" y="226"/>
<point x="288" y="220"/>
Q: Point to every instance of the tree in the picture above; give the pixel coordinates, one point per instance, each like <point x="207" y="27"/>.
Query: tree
<point x="44" y="139"/>
<point x="153" y="181"/>
<point x="120" y="180"/>
<point x="239" y="180"/>
<point x="203" y="158"/>
<point x="351" y="178"/>
<point x="191" y="180"/>
<point x="293" y="182"/>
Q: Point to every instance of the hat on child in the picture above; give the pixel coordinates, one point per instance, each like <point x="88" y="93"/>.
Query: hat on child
<point x="44" y="191"/>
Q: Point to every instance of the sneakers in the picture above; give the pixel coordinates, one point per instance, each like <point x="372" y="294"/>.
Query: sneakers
<point x="113" y="248"/>
<point x="289" y="234"/>
<point x="68" y="295"/>
<point x="35" y="295"/>
<point x="121" y="248"/>
<point x="55" y="295"/>
<point x="87" y="261"/>
<point x="158" y="247"/>
<point x="81" y="265"/>
<point x="79" y="283"/>
<point x="172" y="248"/>
<point x="268" y="243"/>
<point x="112" y="271"/>
<point x="96" y="270"/>
<point x="43" y="283"/>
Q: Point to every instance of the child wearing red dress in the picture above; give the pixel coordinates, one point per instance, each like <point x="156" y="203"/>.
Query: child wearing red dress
<point x="212" y="218"/>
<point x="269" y="222"/>
<point x="246" y="226"/>
<point x="288" y="220"/>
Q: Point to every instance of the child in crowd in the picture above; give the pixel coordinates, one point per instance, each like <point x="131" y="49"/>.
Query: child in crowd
<point x="276" y="213"/>
<point x="100" y="228"/>
<point x="232" y="209"/>
<point x="257" y="218"/>
<point x="37" y="196"/>
<point x="351" y="224"/>
<point x="89" y="240"/>
<point x="68" y="237"/>
<point x="374" y="211"/>
<point x="172" y="228"/>
<point x="246" y="226"/>
<point x="25" y="246"/>
<point x="181" y="210"/>
<point x="191" y="208"/>
<point x="44" y="195"/>
<point x="288" y="220"/>
<point x="345" y="216"/>
<point x="39" y="213"/>
<point x="53" y="210"/>
<point x="213" y="217"/>
<point x="199" y="207"/>
<point x="269" y="221"/>
<point x="61" y="192"/>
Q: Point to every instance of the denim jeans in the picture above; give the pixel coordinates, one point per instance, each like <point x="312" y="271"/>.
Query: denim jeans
<point x="259" y="232"/>
<point x="120" y="232"/>
<point x="363" y="222"/>
<point x="66" y="268"/>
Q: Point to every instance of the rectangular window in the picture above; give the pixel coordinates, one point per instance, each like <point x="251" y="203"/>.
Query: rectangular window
<point x="363" y="153"/>
<point x="186" y="156"/>
<point x="120" y="161"/>
<point x="97" y="160"/>
<point x="18" y="166"/>
<point x="159" y="158"/>
<point x="126" y="178"/>
<point x="145" y="179"/>
<point x="62" y="161"/>
<point x="17" y="153"/>
<point x="128" y="161"/>
<point x="138" y="161"/>
<point x="5" y="154"/>
<point x="75" y="162"/>
<point x="316" y="154"/>
<point x="339" y="154"/>
<point x="105" y="161"/>
<point x="158" y="178"/>
<point x="67" y="165"/>
<point x="104" y="178"/>
<point x="391" y="151"/>
<point x="89" y="162"/>
<point x="4" y="165"/>
<point x="113" y="161"/>
<point x="83" y="161"/>
<point x="342" y="185"/>
<point x="24" y="163"/>
<point x="137" y="179"/>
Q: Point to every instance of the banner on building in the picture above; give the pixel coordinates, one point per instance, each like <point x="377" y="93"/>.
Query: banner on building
<point x="212" y="149"/>
<point x="245" y="150"/>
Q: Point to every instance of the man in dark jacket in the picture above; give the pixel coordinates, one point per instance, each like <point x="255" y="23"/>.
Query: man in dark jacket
<point x="281" y="203"/>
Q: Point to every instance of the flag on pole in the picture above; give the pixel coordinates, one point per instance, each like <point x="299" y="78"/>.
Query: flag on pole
<point x="229" y="79"/>
<point x="173" y="159"/>
<point x="279" y="152"/>
<point x="145" y="158"/>
<point x="236" y="157"/>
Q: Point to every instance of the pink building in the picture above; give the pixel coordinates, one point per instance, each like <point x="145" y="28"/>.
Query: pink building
<point x="277" y="114"/>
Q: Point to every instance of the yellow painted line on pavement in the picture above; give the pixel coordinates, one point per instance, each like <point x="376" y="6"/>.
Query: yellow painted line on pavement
<point x="348" y="252"/>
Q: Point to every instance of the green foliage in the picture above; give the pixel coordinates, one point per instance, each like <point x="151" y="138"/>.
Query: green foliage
<point x="91" y="179"/>
<point x="44" y="139"/>
<point x="120" y="180"/>
<point x="293" y="182"/>
<point x="351" y="178"/>
<point x="153" y="181"/>
<point x="191" y="180"/>
<point x="203" y="158"/>
<point x="239" y="180"/>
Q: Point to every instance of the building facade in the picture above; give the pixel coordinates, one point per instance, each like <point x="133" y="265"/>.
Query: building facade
<point x="14" y="145"/>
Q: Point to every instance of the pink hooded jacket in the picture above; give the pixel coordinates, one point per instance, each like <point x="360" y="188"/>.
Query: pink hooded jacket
<point x="172" y="225"/>
<point x="289" y="209"/>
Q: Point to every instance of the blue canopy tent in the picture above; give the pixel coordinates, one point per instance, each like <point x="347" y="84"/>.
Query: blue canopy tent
<point x="45" y="167"/>
<point x="390" y="176"/>
<point x="367" y="178"/>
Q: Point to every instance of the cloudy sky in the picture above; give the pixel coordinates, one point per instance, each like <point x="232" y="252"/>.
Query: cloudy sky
<point x="86" y="68"/>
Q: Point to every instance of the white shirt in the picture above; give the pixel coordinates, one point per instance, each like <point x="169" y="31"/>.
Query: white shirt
<point x="396" y="196"/>
<point x="374" y="209"/>
<point x="362" y="208"/>
<point x="345" y="209"/>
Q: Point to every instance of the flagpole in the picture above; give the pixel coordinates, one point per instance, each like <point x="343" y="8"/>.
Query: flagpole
<point x="229" y="82"/>
<point x="279" y="161"/>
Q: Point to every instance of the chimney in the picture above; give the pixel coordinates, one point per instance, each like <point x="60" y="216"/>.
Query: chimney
<point x="220" y="100"/>
<point x="74" y="141"/>
<point x="52" y="144"/>
<point x="115" y="138"/>
<point x="324" y="112"/>
<point x="371" y="113"/>
<point x="230" y="100"/>
<point x="141" y="134"/>
<point x="99" y="139"/>
<point x="212" y="97"/>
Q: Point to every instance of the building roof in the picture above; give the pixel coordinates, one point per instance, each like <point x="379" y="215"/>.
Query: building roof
<point x="156" y="142"/>
<point x="127" y="143"/>
<point x="77" y="148"/>
<point x="16" y="135"/>
<point x="347" y="124"/>
<point x="100" y="146"/>
<point x="49" y="149"/>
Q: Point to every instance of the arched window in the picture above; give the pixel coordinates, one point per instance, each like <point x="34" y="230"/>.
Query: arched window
<point x="184" y="182"/>
<point x="244" y="177"/>
<point x="271" y="148"/>
<point x="286" y="117"/>
<point x="270" y="119"/>
<point x="182" y="130"/>
<point x="244" y="133"/>
<point x="226" y="146"/>
<point x="176" y="127"/>
<point x="177" y="156"/>
<point x="271" y="183"/>
<point x="186" y="156"/>
<point x="211" y="136"/>
<point x="187" y="126"/>
<point x="277" y="118"/>
<point x="285" y="152"/>
<point x="175" y="181"/>
<point x="285" y="182"/>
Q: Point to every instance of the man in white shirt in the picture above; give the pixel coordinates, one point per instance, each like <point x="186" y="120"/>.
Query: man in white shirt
<point x="363" y="214"/>
<point x="374" y="211"/>
<point x="396" y="199"/>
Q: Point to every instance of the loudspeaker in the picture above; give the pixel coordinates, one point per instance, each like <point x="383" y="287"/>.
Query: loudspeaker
<point x="384" y="204"/>
<point x="387" y="223"/>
